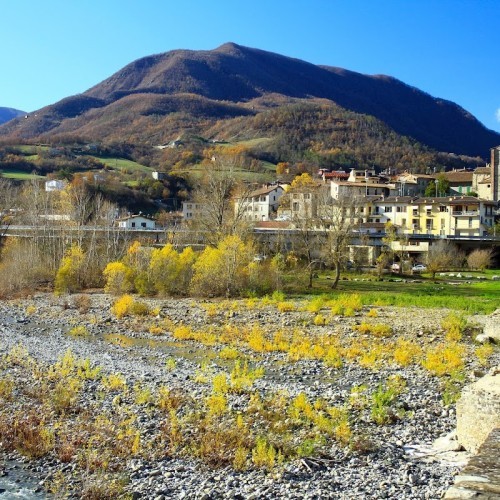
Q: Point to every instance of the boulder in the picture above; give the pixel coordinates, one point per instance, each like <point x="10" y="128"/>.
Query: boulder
<point x="491" y="326"/>
<point x="478" y="411"/>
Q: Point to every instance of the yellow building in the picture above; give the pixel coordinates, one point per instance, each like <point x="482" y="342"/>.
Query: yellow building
<point x="453" y="216"/>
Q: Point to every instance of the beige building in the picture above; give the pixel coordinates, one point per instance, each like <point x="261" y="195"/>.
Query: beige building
<point x="260" y="205"/>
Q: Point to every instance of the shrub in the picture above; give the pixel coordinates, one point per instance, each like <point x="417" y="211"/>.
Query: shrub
<point x="229" y="353"/>
<point x="454" y="326"/>
<point x="286" y="307"/>
<point x="114" y="382"/>
<point x="376" y="329"/>
<point x="79" y="331"/>
<point x="319" y="320"/>
<point x="82" y="303"/>
<point x="483" y="353"/>
<point x="264" y="455"/>
<point x="119" y="278"/>
<point x="406" y="352"/>
<point x="126" y="306"/>
<point x="444" y="359"/>
<point x="68" y="275"/>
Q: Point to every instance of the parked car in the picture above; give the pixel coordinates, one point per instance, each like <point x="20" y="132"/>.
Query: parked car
<point x="419" y="268"/>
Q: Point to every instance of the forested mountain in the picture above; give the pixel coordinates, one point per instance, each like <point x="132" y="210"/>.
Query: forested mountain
<point x="7" y="114"/>
<point x="239" y="93"/>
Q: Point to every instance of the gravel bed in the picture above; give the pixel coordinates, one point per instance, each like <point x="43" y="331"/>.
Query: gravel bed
<point x="388" y="471"/>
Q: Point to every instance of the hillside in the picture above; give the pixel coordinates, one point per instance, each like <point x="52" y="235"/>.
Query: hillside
<point x="222" y="93"/>
<point x="7" y="114"/>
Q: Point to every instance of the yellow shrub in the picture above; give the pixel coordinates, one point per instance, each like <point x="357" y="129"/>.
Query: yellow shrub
<point x="216" y="404"/>
<point x="319" y="320"/>
<point x="183" y="332"/>
<point x="286" y="307"/>
<point x="220" y="384"/>
<point x="122" y="306"/>
<point x="114" y="382"/>
<point x="444" y="359"/>
<point x="155" y="330"/>
<point x="406" y="352"/>
<point x="372" y="313"/>
<point x="454" y="326"/>
<point x="483" y="353"/>
<point x="229" y="353"/>
<point x="376" y="329"/>
<point x="264" y="454"/>
<point x="79" y="331"/>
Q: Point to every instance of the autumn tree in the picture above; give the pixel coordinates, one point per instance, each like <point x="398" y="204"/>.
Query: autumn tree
<point x="214" y="193"/>
<point x="303" y="197"/>
<point x="119" y="278"/>
<point x="441" y="256"/>
<point x="68" y="278"/>
<point x="337" y="219"/>
<point x="480" y="259"/>
<point x="222" y="270"/>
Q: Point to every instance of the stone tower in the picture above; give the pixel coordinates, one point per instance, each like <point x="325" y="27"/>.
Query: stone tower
<point x="495" y="173"/>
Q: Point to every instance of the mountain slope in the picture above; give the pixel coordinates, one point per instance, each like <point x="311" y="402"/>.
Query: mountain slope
<point x="7" y="114"/>
<point x="195" y="89"/>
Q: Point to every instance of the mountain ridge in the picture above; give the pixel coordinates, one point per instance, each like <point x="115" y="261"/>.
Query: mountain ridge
<point x="7" y="114"/>
<point x="234" y="77"/>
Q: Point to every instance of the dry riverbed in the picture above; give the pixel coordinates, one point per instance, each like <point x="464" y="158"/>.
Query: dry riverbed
<point x="229" y="399"/>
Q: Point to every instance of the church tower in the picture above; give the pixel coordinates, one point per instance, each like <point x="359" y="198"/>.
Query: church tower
<point x="495" y="173"/>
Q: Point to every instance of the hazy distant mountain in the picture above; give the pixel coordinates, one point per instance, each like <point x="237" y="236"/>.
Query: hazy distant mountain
<point x="7" y="114"/>
<point x="157" y="97"/>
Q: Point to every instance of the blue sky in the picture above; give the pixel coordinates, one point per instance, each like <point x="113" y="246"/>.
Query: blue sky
<point x="449" y="48"/>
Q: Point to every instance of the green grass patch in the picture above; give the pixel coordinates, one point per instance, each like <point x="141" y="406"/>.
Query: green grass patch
<point x="19" y="175"/>
<point x="481" y="297"/>
<point x="123" y="164"/>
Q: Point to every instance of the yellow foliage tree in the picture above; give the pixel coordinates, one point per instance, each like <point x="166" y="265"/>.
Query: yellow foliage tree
<point x="119" y="278"/>
<point x="164" y="269"/>
<point x="222" y="270"/>
<point x="68" y="275"/>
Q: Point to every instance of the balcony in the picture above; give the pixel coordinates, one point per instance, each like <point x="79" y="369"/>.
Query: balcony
<point x="465" y="213"/>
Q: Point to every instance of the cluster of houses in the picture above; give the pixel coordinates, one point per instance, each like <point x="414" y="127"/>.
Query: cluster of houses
<point x="468" y="209"/>
<point x="412" y="202"/>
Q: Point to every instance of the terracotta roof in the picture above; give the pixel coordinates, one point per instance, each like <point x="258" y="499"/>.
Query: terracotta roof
<point x="335" y="175"/>
<point x="462" y="176"/>
<point x="482" y="170"/>
<point x="264" y="190"/>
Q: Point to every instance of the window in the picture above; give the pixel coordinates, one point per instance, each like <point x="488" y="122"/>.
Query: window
<point x="133" y="224"/>
<point x="415" y="212"/>
<point x="399" y="209"/>
<point x="388" y="209"/>
<point x="442" y="208"/>
<point x="295" y="206"/>
<point x="143" y="224"/>
<point x="307" y="196"/>
<point x="443" y="223"/>
<point x="428" y="224"/>
<point x="403" y="222"/>
<point x="470" y="221"/>
<point x="429" y="212"/>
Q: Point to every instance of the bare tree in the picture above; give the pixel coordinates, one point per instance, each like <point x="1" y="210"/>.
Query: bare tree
<point x="480" y="259"/>
<point x="338" y="217"/>
<point x="442" y="255"/>
<point x="323" y="225"/>
<point x="214" y="194"/>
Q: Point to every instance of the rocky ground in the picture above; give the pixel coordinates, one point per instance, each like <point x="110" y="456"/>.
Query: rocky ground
<point x="396" y="461"/>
